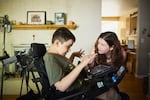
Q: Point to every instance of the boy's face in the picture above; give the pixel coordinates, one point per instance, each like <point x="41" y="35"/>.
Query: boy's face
<point x="64" y="47"/>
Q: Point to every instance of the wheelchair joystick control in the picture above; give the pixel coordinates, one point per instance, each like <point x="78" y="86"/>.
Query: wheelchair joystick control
<point x="118" y="74"/>
<point x="114" y="79"/>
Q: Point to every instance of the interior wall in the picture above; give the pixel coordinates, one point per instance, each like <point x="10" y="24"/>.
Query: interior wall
<point x="85" y="13"/>
<point x="144" y="39"/>
<point x="86" y="16"/>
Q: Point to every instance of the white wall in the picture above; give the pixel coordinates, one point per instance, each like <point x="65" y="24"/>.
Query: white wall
<point x="86" y="14"/>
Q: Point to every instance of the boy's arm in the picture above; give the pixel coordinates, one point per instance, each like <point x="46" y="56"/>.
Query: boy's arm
<point x="67" y="81"/>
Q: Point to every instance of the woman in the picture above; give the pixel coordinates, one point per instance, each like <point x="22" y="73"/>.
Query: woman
<point x="109" y="52"/>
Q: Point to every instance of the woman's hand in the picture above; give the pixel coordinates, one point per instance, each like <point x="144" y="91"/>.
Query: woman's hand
<point x="91" y="62"/>
<point x="93" y="51"/>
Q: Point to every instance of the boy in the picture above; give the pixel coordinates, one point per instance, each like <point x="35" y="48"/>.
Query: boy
<point x="61" y="72"/>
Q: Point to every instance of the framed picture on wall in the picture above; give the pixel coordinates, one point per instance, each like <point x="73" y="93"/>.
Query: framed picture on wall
<point x="36" y="17"/>
<point x="60" y="18"/>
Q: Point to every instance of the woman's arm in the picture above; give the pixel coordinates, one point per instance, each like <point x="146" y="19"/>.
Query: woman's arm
<point x="124" y="54"/>
<point x="92" y="61"/>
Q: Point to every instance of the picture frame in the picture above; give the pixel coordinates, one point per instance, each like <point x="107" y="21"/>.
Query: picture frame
<point x="60" y="18"/>
<point x="36" y="17"/>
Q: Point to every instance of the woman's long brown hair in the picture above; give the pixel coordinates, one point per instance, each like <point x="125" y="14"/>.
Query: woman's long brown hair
<point x="116" y="54"/>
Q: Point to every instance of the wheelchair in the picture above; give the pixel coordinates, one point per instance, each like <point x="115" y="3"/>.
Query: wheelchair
<point x="111" y="78"/>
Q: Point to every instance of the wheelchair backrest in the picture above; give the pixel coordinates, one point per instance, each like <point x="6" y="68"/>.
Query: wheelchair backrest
<point x="38" y="51"/>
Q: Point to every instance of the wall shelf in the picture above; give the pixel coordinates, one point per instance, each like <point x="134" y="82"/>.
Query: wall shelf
<point x="132" y="35"/>
<point x="42" y="27"/>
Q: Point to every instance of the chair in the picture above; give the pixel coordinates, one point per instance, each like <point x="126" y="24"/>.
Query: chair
<point x="38" y="51"/>
<point x="86" y="93"/>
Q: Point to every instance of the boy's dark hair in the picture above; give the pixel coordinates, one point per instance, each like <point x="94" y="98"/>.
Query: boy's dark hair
<point x="63" y="34"/>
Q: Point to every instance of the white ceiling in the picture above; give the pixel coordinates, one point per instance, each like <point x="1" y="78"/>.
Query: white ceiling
<point x="117" y="7"/>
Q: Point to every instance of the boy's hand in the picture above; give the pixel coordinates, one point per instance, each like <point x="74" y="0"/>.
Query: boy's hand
<point x="87" y="58"/>
<point x="79" y="53"/>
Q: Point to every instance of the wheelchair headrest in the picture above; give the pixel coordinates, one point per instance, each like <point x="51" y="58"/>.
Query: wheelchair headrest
<point x="38" y="50"/>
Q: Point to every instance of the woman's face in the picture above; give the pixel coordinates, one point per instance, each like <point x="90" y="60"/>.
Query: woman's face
<point x="103" y="47"/>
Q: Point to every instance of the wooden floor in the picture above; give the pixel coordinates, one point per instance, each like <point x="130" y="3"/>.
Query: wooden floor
<point x="131" y="85"/>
